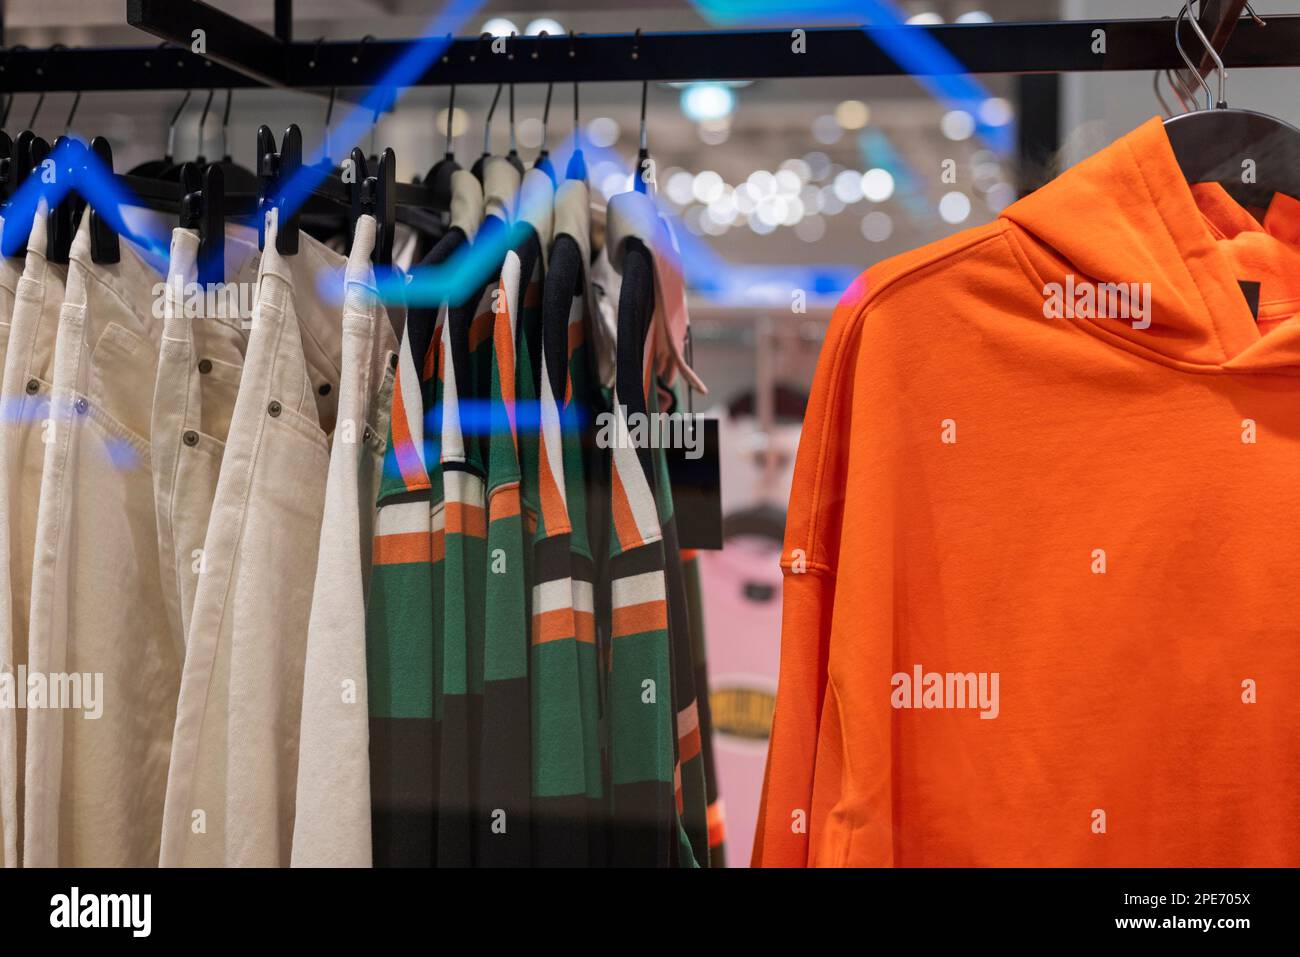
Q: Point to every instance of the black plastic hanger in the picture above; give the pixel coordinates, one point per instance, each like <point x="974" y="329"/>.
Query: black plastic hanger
<point x="203" y="209"/>
<point x="376" y="195"/>
<point x="1212" y="144"/>
<point x="6" y="168"/>
<point x="105" y="247"/>
<point x="6" y="156"/>
<point x="477" y="168"/>
<point x="635" y="309"/>
<point x="274" y="168"/>
<point x="438" y="179"/>
<point x="65" y="215"/>
<point x="29" y="151"/>
<point x="513" y="154"/>
<point x="543" y="161"/>
<point x="562" y="285"/>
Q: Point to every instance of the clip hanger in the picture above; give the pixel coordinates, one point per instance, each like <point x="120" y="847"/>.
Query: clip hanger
<point x="202" y="208"/>
<point x="376" y="196"/>
<point x="274" y="169"/>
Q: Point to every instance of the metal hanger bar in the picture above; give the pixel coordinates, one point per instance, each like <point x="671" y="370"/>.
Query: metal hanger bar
<point x="982" y="48"/>
<point x="229" y="41"/>
<point x="114" y="68"/>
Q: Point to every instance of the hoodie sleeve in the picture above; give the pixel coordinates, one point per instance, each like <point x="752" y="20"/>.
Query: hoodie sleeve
<point x="802" y="764"/>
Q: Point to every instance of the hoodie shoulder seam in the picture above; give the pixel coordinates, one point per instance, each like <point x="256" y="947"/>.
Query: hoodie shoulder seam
<point x="980" y="235"/>
<point x="944" y="257"/>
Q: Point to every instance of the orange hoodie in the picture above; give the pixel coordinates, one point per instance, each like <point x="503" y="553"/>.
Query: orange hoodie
<point x="1041" y="556"/>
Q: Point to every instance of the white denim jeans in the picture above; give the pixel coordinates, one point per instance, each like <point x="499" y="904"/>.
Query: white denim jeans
<point x="234" y="766"/>
<point x="24" y="409"/>
<point x="97" y="753"/>
<point x="332" y="817"/>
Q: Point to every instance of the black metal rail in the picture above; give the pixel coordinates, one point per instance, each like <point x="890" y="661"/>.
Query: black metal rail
<point x="239" y="55"/>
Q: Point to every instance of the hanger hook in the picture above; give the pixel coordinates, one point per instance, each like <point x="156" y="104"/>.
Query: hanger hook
<point x="225" y="126"/>
<point x="451" y="119"/>
<point x="1210" y="51"/>
<point x="546" y="116"/>
<point x="644" y="88"/>
<point x="487" y="124"/>
<point x="76" y="102"/>
<point x="40" y="101"/>
<point x="9" y="103"/>
<point x="512" y="118"/>
<point x="329" y="113"/>
<point x="171" y="127"/>
<point x="203" y="119"/>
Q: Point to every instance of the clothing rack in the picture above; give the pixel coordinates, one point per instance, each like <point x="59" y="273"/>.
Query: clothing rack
<point x="239" y="55"/>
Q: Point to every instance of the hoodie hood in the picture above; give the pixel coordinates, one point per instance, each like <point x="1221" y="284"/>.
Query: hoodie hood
<point x="1123" y="244"/>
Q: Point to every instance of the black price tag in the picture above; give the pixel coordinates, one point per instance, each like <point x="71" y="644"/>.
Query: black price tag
<point x="694" y="469"/>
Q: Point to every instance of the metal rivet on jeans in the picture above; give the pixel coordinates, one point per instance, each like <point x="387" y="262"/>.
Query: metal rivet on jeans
<point x="205" y="366"/>
<point x="33" y="386"/>
<point x="366" y="434"/>
<point x="273" y="408"/>
<point x="191" y="437"/>
<point x="81" y="405"/>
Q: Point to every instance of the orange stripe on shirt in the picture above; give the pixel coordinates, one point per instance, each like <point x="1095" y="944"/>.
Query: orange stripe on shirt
<point x="638" y="619"/>
<point x="629" y="536"/>
<point x="554" y="512"/>
<point x="404" y="450"/>
<point x="466" y="519"/>
<point x="688" y="745"/>
<point x="431" y="355"/>
<point x="554" y="625"/>
<point x="401" y="549"/>
<point x="481" y="329"/>
<point x="438" y="546"/>
<point x="504" y="502"/>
